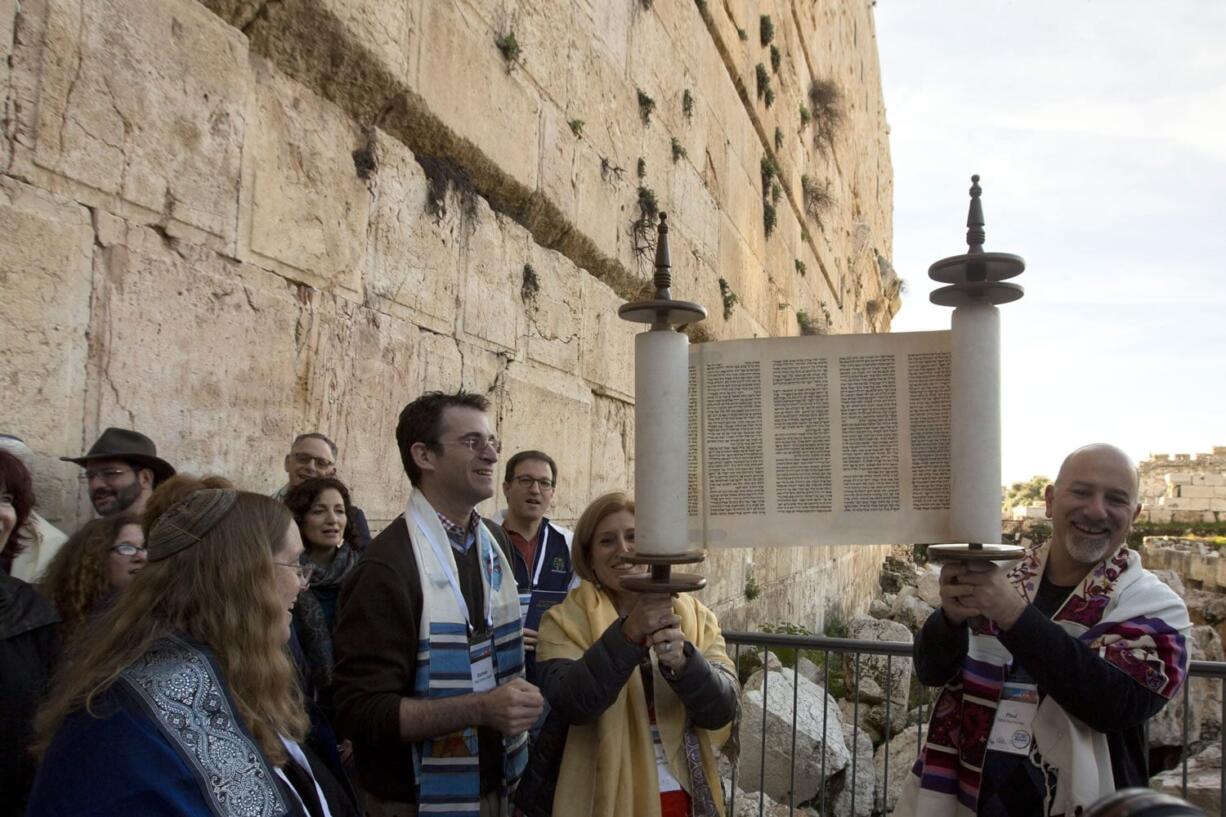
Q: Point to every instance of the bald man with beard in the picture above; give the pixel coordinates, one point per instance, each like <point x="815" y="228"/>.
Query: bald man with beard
<point x="1051" y="666"/>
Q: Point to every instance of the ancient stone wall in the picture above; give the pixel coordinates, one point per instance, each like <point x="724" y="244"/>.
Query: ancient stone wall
<point x="1184" y="487"/>
<point x="223" y="222"/>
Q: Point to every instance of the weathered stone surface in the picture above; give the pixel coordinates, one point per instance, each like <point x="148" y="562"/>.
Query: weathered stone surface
<point x="413" y="262"/>
<point x="929" y="585"/>
<point x="910" y="609"/>
<point x="536" y="413"/>
<point x="305" y="209"/>
<point x="551" y="295"/>
<point x="814" y="739"/>
<point x="46" y="246"/>
<point x="1204" y="781"/>
<point x="8" y="19"/>
<point x="1204" y="698"/>
<point x="145" y="102"/>
<point x="494" y="255"/>
<point x="852" y="791"/>
<point x="606" y="344"/>
<point x="902" y="751"/>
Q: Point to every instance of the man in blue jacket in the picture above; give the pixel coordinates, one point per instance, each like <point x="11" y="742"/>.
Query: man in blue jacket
<point x="540" y="552"/>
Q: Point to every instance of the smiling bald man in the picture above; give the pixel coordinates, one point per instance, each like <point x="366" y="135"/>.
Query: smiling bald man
<point x="1052" y="665"/>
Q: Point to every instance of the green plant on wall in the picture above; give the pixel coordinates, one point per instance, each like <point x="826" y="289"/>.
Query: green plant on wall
<point x="742" y="34"/>
<point x="769" y="218"/>
<point x="766" y="30"/>
<point x="776" y="58"/>
<point x="640" y="168"/>
<point x="687" y="104"/>
<point x="678" y="151"/>
<point x="769" y="97"/>
<point x="800" y="268"/>
<point x="576" y="127"/>
<point x="752" y="590"/>
<point x="767" y="170"/>
<point x="778" y="138"/>
<point x="728" y="297"/>
<point x="806" y="324"/>
<point x="805" y="116"/>
<point x="647" y="106"/>
<point x="763" y="79"/>
<point x="508" y="46"/>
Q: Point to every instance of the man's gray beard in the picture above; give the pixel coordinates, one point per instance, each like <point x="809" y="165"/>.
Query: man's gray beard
<point x="1086" y="554"/>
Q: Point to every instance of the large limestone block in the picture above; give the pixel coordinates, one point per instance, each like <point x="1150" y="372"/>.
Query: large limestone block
<point x="8" y="19"/>
<point x="540" y="410"/>
<point x="902" y="750"/>
<point x="46" y="245"/>
<point x="465" y="82"/>
<point x="606" y="351"/>
<point x="494" y="253"/>
<point x="1204" y="780"/>
<point x="417" y="224"/>
<point x="222" y="391"/>
<point x="357" y="368"/>
<point x="815" y="740"/>
<point x="853" y="791"/>
<point x="612" y="466"/>
<point x="889" y="675"/>
<point x="551" y="294"/>
<point x="305" y="208"/>
<point x="145" y="101"/>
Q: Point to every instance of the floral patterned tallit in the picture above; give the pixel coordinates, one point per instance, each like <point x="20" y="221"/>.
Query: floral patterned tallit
<point x="1120" y="611"/>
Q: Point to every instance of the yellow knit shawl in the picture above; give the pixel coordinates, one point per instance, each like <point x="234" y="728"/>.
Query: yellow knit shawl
<point x="608" y="767"/>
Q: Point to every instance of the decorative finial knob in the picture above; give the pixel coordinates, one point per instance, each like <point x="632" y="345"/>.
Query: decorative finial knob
<point x="975" y="234"/>
<point x="664" y="264"/>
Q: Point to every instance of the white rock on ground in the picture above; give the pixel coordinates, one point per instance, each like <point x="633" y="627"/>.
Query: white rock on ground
<point x="813" y="738"/>
<point x="1204" y="781"/>
<point x="855" y="800"/>
<point x="903" y="749"/>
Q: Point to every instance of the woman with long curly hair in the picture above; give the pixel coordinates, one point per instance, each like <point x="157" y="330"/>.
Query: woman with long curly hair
<point x="98" y="560"/>
<point x="180" y="699"/>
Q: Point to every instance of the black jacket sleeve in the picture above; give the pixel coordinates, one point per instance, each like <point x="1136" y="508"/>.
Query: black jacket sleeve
<point x="1085" y="685"/>
<point x="939" y="649"/>
<point x="581" y="690"/>
<point x="710" y="695"/>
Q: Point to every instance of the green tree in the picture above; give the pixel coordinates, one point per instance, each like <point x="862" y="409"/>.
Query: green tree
<point x="1025" y="493"/>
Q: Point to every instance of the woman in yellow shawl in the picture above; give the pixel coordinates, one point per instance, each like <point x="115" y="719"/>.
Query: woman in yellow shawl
<point x="642" y="682"/>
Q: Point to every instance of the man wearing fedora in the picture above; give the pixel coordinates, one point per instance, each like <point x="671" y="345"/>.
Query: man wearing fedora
<point x="121" y="469"/>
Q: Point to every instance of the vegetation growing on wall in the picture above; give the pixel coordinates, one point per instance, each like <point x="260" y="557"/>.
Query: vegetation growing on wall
<point x="531" y="285"/>
<point x="766" y="30"/>
<point x="647" y="106"/>
<point x="508" y="46"/>
<point x="728" y="297"/>
<point x="678" y="151"/>
<point x="576" y="127"/>
<point x="687" y="104"/>
<point x="778" y="139"/>
<point x="640" y="168"/>
<point x="816" y="197"/>
<point x="800" y="268"/>
<point x="806" y="323"/>
<point x="763" y="79"/>
<point x="776" y="58"/>
<point x="826" y="106"/>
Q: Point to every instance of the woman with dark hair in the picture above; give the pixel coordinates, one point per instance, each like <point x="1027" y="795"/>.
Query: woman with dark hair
<point x="642" y="683"/>
<point x="180" y="698"/>
<point x="28" y="643"/>
<point x="324" y="514"/>
<point x="96" y="561"/>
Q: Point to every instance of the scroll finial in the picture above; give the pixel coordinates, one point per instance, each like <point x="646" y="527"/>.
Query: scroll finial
<point x="975" y="234"/>
<point x="664" y="263"/>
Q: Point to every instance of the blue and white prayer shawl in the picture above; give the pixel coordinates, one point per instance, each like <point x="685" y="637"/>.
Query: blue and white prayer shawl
<point x="448" y="767"/>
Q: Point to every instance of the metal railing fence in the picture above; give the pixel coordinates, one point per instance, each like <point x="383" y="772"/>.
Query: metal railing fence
<point x="852" y="650"/>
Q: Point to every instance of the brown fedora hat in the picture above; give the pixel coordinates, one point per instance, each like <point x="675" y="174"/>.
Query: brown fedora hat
<point x="122" y="444"/>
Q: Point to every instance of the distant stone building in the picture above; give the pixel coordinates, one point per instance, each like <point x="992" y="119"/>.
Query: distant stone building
<point x="223" y="222"/>
<point x="1184" y="487"/>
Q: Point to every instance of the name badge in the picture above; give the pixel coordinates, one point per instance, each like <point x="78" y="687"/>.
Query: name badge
<point x="481" y="662"/>
<point x="1012" y="731"/>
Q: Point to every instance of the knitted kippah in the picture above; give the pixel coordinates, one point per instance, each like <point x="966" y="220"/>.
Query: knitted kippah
<point x="185" y="523"/>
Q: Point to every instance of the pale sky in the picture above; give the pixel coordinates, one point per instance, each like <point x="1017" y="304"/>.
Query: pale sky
<point x="1099" y="132"/>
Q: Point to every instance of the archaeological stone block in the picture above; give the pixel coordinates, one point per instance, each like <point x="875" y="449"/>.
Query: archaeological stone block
<point x="493" y="253"/>
<point x="552" y="298"/>
<point x="46" y="246"/>
<point x="305" y="207"/>
<point x="607" y="342"/>
<point x="541" y="412"/>
<point x="468" y="85"/>
<point x="412" y="265"/>
<point x="612" y="459"/>
<point x="145" y="101"/>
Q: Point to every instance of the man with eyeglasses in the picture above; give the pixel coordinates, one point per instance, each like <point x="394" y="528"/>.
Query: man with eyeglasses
<point x="121" y="470"/>
<point x="540" y="555"/>
<point x="429" y="644"/>
<point x="314" y="455"/>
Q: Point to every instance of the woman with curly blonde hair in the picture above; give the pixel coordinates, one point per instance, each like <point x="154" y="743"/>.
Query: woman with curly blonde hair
<point x="181" y="699"/>
<point x="96" y="561"/>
